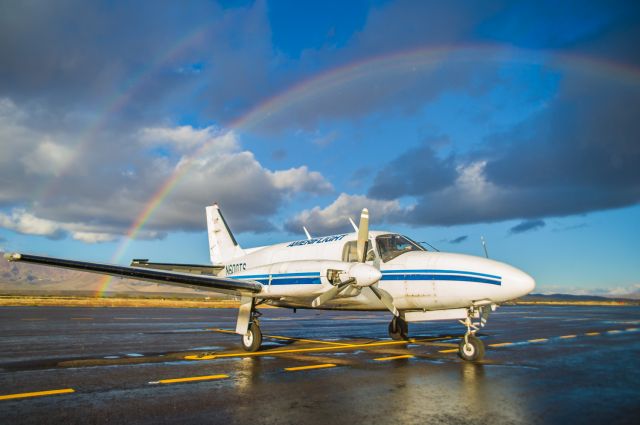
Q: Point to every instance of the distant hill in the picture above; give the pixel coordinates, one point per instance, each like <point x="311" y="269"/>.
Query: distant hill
<point x="33" y="279"/>
<point x="572" y="298"/>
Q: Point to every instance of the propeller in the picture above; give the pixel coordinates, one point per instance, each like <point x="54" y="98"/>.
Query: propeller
<point x="363" y="235"/>
<point x="360" y="274"/>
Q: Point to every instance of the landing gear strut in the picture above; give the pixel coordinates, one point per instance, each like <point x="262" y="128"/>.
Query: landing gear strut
<point x="252" y="340"/>
<point x="471" y="348"/>
<point x="398" y="329"/>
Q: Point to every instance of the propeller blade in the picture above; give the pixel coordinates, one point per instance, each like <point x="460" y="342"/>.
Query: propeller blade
<point x="363" y="235"/>
<point x="330" y="294"/>
<point x="384" y="297"/>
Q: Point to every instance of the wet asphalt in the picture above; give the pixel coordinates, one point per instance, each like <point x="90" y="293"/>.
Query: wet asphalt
<point x="543" y="364"/>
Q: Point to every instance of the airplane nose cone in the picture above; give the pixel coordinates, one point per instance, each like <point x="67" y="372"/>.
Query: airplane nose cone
<point x="523" y="283"/>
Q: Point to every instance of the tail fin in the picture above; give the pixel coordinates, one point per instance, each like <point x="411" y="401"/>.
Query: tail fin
<point x="222" y="245"/>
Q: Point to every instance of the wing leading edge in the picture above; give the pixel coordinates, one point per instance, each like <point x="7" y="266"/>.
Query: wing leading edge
<point x="212" y="283"/>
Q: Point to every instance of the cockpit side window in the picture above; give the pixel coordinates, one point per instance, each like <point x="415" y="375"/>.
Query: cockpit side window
<point x="350" y="252"/>
<point x="390" y="246"/>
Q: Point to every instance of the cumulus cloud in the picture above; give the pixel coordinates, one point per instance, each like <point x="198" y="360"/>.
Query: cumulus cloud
<point x="204" y="164"/>
<point x="186" y="138"/>
<point x="49" y="158"/>
<point x="300" y="180"/>
<point x="24" y="222"/>
<point x="334" y="217"/>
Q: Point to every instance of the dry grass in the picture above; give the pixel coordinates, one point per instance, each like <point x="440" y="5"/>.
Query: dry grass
<point x="113" y="302"/>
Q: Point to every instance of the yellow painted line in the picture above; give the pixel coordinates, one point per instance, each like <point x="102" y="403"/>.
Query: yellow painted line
<point x="384" y="359"/>
<point x="614" y="331"/>
<point x="501" y="344"/>
<point x="190" y="379"/>
<point x="304" y="350"/>
<point x="315" y="341"/>
<point x="226" y="331"/>
<point x="567" y="336"/>
<point x="592" y="333"/>
<point x="631" y="329"/>
<point x="36" y="394"/>
<point x="82" y="318"/>
<point x="538" y="340"/>
<point x="448" y="351"/>
<point x="315" y="366"/>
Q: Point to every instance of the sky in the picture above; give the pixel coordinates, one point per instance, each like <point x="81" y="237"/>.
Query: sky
<point x="518" y="122"/>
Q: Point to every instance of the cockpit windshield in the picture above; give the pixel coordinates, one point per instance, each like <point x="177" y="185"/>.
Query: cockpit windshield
<point x="390" y="246"/>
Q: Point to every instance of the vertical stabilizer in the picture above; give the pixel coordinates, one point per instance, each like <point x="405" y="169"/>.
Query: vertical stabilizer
<point x="223" y="247"/>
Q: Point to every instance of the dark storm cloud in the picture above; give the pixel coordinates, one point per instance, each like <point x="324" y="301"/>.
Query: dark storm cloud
<point x="527" y="226"/>
<point x="459" y="239"/>
<point x="89" y="56"/>
<point x="417" y="171"/>
<point x="579" y="154"/>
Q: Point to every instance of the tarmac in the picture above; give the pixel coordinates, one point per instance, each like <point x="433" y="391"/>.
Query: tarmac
<point x="543" y="364"/>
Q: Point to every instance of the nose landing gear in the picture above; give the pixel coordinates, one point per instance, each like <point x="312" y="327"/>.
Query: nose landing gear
<point x="471" y="348"/>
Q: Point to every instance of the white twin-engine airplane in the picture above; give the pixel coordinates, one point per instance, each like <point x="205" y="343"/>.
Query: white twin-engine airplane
<point x="363" y="270"/>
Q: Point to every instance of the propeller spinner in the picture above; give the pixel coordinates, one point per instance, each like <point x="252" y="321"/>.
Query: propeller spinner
<point x="360" y="274"/>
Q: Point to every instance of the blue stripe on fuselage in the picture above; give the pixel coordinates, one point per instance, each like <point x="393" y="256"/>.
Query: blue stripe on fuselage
<point x="449" y="277"/>
<point x="420" y="271"/>
<point x="313" y="278"/>
<point x="310" y="278"/>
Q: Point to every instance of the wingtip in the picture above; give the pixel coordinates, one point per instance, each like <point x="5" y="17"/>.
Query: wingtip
<point x="12" y="256"/>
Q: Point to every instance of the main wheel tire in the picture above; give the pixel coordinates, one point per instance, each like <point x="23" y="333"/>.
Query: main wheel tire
<point x="472" y="350"/>
<point x="398" y="329"/>
<point x="252" y="340"/>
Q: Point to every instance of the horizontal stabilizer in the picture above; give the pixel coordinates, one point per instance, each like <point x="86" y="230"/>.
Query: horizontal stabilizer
<point x="177" y="267"/>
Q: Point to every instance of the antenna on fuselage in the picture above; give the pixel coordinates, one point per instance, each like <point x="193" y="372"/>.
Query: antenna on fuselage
<point x="484" y="245"/>
<point x="353" y="224"/>
<point x="430" y="246"/>
<point x="306" y="232"/>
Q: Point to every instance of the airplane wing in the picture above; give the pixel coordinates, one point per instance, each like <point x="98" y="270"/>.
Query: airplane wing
<point x="196" y="281"/>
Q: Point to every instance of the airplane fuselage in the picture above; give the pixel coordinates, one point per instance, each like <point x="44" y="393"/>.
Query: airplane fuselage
<point x="294" y="273"/>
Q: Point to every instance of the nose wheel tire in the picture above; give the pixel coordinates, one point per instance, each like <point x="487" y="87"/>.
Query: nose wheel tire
<point x="398" y="329"/>
<point x="471" y="348"/>
<point x="252" y="340"/>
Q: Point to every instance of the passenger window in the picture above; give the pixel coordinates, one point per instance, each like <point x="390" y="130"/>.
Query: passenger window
<point x="350" y="252"/>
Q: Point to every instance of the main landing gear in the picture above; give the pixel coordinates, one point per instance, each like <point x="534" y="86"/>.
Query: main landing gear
<point x="252" y="340"/>
<point x="471" y="348"/>
<point x="398" y="329"/>
<point x="248" y="325"/>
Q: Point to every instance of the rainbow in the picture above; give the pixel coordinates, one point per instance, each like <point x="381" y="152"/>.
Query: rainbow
<point x="415" y="60"/>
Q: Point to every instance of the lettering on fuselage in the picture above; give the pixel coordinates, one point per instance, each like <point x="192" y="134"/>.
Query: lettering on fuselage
<point x="317" y="240"/>
<point x="235" y="268"/>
